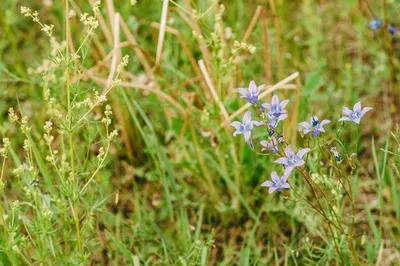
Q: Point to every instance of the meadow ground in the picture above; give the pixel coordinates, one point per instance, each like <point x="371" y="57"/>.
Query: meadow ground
<point x="117" y="146"/>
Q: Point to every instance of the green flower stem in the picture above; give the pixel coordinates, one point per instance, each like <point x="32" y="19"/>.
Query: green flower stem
<point x="71" y="143"/>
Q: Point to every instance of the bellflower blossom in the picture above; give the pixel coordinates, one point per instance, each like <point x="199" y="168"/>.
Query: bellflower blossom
<point x="246" y="127"/>
<point x="276" y="183"/>
<point x="375" y="24"/>
<point x="355" y="115"/>
<point x="292" y="160"/>
<point x="276" y="108"/>
<point x="315" y="126"/>
<point x="251" y="95"/>
<point x="273" y="121"/>
<point x="337" y="155"/>
<point x="271" y="145"/>
<point x="392" y="29"/>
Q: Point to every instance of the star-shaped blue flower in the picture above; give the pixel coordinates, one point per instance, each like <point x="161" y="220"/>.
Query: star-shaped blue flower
<point x="355" y="115"/>
<point x="276" y="108"/>
<point x="392" y="29"/>
<point x="251" y="95"/>
<point x="246" y="127"/>
<point x="270" y="145"/>
<point x="273" y="121"/>
<point x="292" y="160"/>
<point x="375" y="24"/>
<point x="315" y="126"/>
<point x="276" y="183"/>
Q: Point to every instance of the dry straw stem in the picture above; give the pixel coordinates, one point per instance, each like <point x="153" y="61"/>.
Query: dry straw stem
<point x="260" y="12"/>
<point x="103" y="26"/>
<point x="213" y="91"/>
<point x="110" y="12"/>
<point x="136" y="48"/>
<point x="278" y="86"/>
<point x="186" y="49"/>
<point x="141" y="86"/>
<point x="252" y="24"/>
<point x="161" y="34"/>
<point x="267" y="59"/>
<point x="291" y="130"/>
<point x="102" y="64"/>
<point x="196" y="28"/>
<point x="278" y="37"/>
<point x="115" y="53"/>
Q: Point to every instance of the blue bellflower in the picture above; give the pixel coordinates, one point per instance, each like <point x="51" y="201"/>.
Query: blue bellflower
<point x="337" y="155"/>
<point x="276" y="183"/>
<point x="276" y="108"/>
<point x="251" y="95"/>
<point x="375" y="24"/>
<point x="292" y="160"/>
<point x="392" y="29"/>
<point x="355" y="115"/>
<point x="246" y="127"/>
<point x="315" y="126"/>
<point x="271" y="145"/>
<point x="273" y="121"/>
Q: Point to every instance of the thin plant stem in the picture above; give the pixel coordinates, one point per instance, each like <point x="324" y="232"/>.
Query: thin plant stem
<point x="351" y="232"/>
<point x="306" y="176"/>
<point x="357" y="138"/>
<point x="2" y="169"/>
<point x="329" y="225"/>
<point x="328" y="202"/>
<point x="350" y="196"/>
<point x="3" y="220"/>
<point x="71" y="144"/>
<point x="317" y="210"/>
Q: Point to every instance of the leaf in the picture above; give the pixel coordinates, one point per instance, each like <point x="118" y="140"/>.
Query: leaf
<point x="133" y="260"/>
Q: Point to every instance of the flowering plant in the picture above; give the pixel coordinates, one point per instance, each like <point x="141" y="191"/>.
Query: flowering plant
<point x="272" y="114"/>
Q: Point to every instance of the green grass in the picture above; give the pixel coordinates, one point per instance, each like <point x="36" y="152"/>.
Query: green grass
<point x="175" y="188"/>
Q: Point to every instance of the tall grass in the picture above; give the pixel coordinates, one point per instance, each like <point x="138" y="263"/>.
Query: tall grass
<point x="174" y="187"/>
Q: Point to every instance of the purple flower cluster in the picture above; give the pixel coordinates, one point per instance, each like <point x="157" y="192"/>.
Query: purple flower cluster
<point x="276" y="113"/>
<point x="273" y="113"/>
